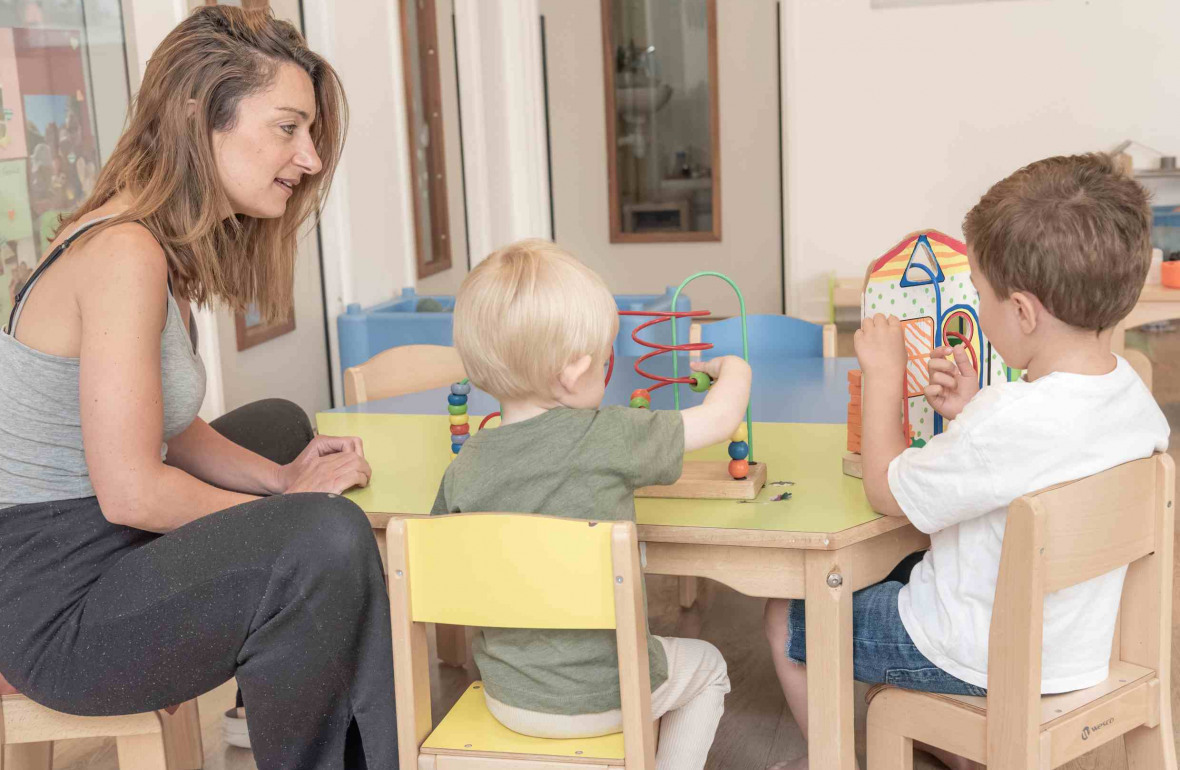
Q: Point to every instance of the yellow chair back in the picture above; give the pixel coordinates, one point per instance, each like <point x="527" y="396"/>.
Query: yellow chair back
<point x="511" y="571"/>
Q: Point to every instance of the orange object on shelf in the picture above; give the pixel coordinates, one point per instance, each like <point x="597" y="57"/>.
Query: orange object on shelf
<point x="1170" y="274"/>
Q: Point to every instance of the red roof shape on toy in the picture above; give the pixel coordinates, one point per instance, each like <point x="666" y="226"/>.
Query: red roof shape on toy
<point x="951" y="254"/>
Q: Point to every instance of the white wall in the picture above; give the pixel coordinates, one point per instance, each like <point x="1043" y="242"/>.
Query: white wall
<point x="748" y="99"/>
<point x="366" y="231"/>
<point x="900" y="119"/>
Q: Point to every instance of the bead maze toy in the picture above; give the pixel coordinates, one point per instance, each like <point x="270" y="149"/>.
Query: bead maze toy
<point x="740" y="478"/>
<point x="925" y="280"/>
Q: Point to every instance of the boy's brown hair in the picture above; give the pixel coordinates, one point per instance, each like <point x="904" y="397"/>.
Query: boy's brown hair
<point x="1073" y="231"/>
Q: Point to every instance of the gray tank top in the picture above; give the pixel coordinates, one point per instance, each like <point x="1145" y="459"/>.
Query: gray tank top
<point x="41" y="455"/>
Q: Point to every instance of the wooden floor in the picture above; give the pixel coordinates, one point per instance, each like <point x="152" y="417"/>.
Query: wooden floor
<point x="757" y="730"/>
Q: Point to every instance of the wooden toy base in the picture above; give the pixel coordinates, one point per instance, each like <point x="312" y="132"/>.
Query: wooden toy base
<point x="710" y="480"/>
<point x="852" y="465"/>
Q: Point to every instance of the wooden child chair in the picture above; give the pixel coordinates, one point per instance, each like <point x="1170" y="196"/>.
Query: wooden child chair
<point x="401" y="370"/>
<point x="28" y="730"/>
<point x="776" y="335"/>
<point x="514" y="571"/>
<point x="1054" y="539"/>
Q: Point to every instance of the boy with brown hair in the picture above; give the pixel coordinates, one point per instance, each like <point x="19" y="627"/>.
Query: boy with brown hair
<point x="1058" y="252"/>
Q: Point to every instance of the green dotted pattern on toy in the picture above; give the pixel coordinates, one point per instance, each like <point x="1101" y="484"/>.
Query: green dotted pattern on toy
<point x="956" y="289"/>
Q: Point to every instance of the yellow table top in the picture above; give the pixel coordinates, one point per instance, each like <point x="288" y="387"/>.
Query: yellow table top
<point x="410" y="452"/>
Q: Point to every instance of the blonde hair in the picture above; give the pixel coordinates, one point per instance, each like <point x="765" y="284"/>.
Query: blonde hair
<point x="526" y="312"/>
<point x="1074" y="231"/>
<point x="213" y="59"/>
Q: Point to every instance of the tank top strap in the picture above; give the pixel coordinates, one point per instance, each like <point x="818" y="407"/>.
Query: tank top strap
<point x="18" y="300"/>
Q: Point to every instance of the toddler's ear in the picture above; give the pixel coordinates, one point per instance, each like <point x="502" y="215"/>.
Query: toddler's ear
<point x="568" y="377"/>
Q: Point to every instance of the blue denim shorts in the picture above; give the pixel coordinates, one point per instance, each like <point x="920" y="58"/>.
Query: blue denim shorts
<point x="882" y="651"/>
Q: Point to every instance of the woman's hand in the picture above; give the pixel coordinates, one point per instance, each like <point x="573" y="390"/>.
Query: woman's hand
<point x="330" y="464"/>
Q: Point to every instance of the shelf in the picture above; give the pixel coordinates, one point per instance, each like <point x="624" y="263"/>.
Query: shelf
<point x="1171" y="173"/>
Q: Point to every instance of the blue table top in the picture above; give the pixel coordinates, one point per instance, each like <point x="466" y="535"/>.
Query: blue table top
<point x="807" y="390"/>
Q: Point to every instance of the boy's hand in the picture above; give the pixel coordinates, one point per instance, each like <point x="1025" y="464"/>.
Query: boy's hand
<point x="880" y="347"/>
<point x="715" y="366"/>
<point x="953" y="381"/>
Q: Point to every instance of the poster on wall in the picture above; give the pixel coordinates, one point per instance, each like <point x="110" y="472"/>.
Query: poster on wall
<point x="63" y="154"/>
<point x="12" y="114"/>
<point x="18" y="255"/>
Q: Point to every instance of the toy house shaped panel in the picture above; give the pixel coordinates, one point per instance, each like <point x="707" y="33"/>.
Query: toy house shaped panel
<point x="925" y="281"/>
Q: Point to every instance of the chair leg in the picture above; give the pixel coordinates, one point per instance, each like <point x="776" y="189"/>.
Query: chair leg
<point x="141" y="752"/>
<point x="451" y="643"/>
<point x="27" y="756"/>
<point x="1151" y="747"/>
<point x="689" y="591"/>
<point x="888" y="750"/>
<point x="182" y="737"/>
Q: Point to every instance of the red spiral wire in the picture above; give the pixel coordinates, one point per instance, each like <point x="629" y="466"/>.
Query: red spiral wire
<point x="659" y="317"/>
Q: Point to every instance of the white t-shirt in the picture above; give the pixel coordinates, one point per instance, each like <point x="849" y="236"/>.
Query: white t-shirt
<point x="1012" y="439"/>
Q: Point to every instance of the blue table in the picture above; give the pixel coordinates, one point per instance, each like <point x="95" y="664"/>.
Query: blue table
<point x="817" y="388"/>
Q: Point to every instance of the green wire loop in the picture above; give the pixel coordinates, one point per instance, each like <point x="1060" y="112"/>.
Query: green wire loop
<point x="745" y="343"/>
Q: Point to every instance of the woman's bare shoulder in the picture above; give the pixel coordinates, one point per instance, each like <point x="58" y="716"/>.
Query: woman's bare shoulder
<point x="125" y="253"/>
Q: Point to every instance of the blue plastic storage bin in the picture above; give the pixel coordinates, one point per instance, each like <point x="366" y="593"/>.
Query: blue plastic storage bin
<point x="365" y="332"/>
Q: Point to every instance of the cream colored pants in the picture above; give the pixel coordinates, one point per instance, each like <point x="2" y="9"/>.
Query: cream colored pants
<point x="690" y="703"/>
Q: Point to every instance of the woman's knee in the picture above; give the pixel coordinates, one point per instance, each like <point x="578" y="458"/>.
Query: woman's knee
<point x="275" y="428"/>
<point x="331" y="531"/>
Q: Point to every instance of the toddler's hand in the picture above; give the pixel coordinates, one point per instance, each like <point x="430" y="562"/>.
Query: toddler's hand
<point x="715" y="366"/>
<point x="953" y="381"/>
<point x="880" y="347"/>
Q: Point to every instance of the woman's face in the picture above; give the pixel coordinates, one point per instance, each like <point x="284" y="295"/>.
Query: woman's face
<point x="269" y="149"/>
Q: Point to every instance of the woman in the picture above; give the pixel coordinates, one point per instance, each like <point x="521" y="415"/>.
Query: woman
<point x="146" y="558"/>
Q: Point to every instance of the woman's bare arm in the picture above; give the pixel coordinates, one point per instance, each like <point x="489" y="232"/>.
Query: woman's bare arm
<point x="123" y="309"/>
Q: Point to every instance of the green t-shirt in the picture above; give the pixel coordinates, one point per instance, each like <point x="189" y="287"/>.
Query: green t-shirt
<point x="579" y="464"/>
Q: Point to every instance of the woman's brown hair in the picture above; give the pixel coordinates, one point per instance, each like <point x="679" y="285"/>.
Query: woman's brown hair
<point x="165" y="159"/>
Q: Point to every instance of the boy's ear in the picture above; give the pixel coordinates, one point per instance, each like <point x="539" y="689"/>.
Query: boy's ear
<point x="1028" y="310"/>
<point x="573" y="371"/>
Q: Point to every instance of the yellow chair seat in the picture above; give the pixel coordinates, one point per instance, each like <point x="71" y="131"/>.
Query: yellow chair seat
<point x="469" y="728"/>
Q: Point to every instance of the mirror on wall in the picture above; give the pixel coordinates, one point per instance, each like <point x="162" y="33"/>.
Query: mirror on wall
<point x="661" y="120"/>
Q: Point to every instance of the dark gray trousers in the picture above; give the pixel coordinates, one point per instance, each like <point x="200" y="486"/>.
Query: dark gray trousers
<point x="285" y="593"/>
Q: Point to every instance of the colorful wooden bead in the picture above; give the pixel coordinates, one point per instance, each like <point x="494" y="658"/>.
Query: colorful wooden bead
<point x="456" y="400"/>
<point x="741" y="434"/>
<point x="641" y="393"/>
<point x="459" y="430"/>
<point x="460" y="409"/>
<point x="640" y="403"/>
<point x="461" y="388"/>
<point x="460" y="438"/>
<point x="739" y="450"/>
<point x="739" y="469"/>
<point x="455" y="448"/>
<point x="458" y="419"/>
<point x="700" y="382"/>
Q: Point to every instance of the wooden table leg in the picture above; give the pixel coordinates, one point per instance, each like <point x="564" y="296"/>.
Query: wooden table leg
<point x="831" y="741"/>
<point x="451" y="643"/>
<point x="28" y="756"/>
<point x="689" y="591"/>
<point x="182" y="737"/>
